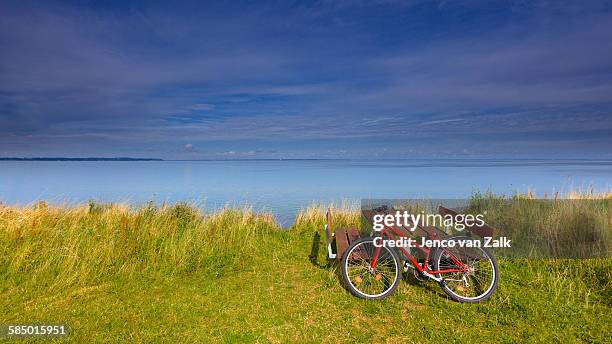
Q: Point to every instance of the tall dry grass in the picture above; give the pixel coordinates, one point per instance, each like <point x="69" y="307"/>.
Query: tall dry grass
<point x="344" y="214"/>
<point x="61" y="245"/>
<point x="71" y="245"/>
<point x="574" y="225"/>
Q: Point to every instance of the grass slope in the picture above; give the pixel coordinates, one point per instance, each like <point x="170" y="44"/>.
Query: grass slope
<point x="171" y="274"/>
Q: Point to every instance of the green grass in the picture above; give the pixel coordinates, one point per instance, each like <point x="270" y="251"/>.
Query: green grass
<point x="172" y="274"/>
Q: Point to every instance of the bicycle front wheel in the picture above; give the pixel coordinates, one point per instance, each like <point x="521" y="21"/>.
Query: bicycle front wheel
<point x="365" y="281"/>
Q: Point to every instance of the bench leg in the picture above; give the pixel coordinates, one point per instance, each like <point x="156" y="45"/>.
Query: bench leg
<point x="330" y="252"/>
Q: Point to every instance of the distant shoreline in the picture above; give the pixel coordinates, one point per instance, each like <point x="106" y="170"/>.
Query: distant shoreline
<point x="80" y="159"/>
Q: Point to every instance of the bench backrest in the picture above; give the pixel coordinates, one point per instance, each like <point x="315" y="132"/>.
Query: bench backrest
<point x="482" y="231"/>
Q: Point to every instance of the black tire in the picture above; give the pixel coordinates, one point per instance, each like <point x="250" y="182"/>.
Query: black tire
<point x="358" y="255"/>
<point x="471" y="256"/>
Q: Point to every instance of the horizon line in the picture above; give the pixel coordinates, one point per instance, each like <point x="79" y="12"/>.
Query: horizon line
<point x="286" y="159"/>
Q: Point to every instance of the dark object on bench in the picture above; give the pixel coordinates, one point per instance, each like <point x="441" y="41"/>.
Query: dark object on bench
<point x="482" y="231"/>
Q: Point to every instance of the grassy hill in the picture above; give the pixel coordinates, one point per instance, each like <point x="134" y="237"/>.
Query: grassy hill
<point x="171" y="273"/>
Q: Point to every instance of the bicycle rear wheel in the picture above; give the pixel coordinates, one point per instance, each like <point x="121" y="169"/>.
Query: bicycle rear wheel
<point x="476" y="284"/>
<point x="366" y="282"/>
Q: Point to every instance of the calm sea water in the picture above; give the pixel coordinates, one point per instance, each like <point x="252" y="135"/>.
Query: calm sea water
<point x="284" y="186"/>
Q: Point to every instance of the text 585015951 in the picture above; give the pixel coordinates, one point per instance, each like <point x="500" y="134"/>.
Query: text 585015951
<point x="33" y="330"/>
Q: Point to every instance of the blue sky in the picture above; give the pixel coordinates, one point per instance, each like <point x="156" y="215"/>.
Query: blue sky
<point x="320" y="79"/>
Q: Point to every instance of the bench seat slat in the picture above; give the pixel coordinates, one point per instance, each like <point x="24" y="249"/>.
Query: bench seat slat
<point x="341" y="242"/>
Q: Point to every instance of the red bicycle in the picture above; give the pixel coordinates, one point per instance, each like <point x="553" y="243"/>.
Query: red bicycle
<point x="373" y="271"/>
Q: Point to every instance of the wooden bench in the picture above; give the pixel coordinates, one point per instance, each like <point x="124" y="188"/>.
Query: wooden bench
<point x="340" y="239"/>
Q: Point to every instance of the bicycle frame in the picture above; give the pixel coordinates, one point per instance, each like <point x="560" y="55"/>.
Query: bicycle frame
<point x="394" y="233"/>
